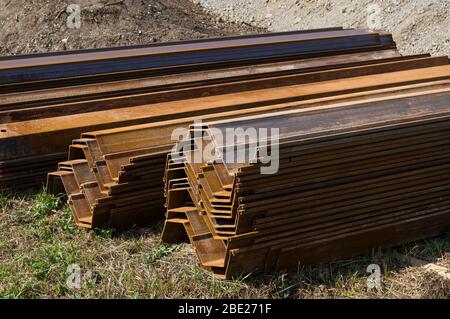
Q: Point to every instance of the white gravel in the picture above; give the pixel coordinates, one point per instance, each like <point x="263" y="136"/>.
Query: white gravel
<point x="418" y="26"/>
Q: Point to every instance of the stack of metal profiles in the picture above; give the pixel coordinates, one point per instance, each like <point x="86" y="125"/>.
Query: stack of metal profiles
<point x="363" y="148"/>
<point x="95" y="65"/>
<point x="114" y="177"/>
<point x="352" y="176"/>
<point x="47" y="100"/>
<point x="32" y="146"/>
<point x="363" y="153"/>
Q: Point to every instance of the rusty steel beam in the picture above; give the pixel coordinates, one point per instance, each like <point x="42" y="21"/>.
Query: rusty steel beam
<point x="28" y="139"/>
<point x="122" y="168"/>
<point x="133" y="86"/>
<point x="43" y="135"/>
<point x="46" y="97"/>
<point x="363" y="157"/>
<point x="382" y="66"/>
<point x="385" y="186"/>
<point x="19" y="144"/>
<point x="175" y="56"/>
<point x="199" y="41"/>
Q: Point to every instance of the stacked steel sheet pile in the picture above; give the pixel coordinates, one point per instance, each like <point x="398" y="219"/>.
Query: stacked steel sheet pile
<point x="363" y="148"/>
<point x="352" y="176"/>
<point x="47" y="100"/>
<point x="114" y="177"/>
<point x="110" y="184"/>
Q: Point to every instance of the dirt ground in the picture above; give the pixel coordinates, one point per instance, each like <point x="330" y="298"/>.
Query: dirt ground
<point x="29" y="26"/>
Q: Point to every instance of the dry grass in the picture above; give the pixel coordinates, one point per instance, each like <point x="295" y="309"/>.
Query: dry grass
<point x="38" y="242"/>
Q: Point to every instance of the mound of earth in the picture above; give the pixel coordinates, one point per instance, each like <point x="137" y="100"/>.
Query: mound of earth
<point x="29" y="26"/>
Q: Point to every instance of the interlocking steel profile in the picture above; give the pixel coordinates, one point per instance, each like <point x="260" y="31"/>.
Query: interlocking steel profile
<point x="352" y="177"/>
<point x="363" y="147"/>
<point x="47" y="100"/>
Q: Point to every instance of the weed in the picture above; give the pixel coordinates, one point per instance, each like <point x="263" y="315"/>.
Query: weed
<point x="65" y="222"/>
<point x="159" y="252"/>
<point x="105" y="233"/>
<point x="43" y="204"/>
<point x="50" y="258"/>
<point x="4" y="200"/>
<point x="42" y="230"/>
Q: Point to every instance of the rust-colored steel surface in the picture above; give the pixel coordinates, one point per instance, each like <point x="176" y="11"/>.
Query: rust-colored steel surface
<point x="83" y="93"/>
<point x="351" y="177"/>
<point x="44" y="105"/>
<point x="93" y="66"/>
<point x="125" y="161"/>
<point x="28" y="139"/>
<point x="362" y="145"/>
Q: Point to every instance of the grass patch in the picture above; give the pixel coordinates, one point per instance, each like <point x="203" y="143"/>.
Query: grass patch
<point x="50" y="258"/>
<point x="105" y="233"/>
<point x="4" y="200"/>
<point x="65" y="222"/>
<point x="158" y="252"/>
<point x="43" y="204"/>
<point x="42" y="230"/>
<point x="136" y="264"/>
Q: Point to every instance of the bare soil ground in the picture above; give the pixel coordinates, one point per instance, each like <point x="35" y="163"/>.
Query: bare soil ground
<point x="29" y="26"/>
